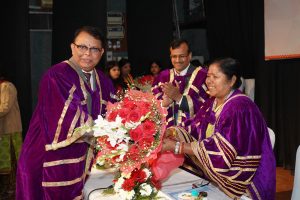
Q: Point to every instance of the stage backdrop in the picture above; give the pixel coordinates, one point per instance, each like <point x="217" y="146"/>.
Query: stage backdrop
<point x="282" y="29"/>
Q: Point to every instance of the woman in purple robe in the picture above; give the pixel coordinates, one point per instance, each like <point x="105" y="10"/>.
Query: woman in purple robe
<point x="228" y="138"/>
<point x="55" y="159"/>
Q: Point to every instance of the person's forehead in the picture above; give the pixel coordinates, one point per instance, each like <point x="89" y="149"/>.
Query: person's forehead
<point x="214" y="68"/>
<point x="86" y="37"/>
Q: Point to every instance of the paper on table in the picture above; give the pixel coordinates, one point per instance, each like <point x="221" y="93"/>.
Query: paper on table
<point x="181" y="181"/>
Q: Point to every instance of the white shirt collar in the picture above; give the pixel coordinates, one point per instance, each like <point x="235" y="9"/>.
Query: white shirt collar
<point x="90" y="72"/>
<point x="183" y="72"/>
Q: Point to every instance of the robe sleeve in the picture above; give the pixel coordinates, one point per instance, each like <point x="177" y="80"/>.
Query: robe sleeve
<point x="156" y="89"/>
<point x="62" y="109"/>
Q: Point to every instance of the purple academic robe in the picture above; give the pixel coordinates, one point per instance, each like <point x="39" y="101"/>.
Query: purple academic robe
<point x="238" y="156"/>
<point x="54" y="162"/>
<point x="193" y="88"/>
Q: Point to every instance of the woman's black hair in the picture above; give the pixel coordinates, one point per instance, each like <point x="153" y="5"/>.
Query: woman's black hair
<point x="123" y="62"/>
<point x="230" y="67"/>
<point x="116" y="82"/>
<point x="109" y="66"/>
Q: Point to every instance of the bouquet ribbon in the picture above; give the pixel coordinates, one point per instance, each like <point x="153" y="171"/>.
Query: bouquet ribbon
<point x="165" y="163"/>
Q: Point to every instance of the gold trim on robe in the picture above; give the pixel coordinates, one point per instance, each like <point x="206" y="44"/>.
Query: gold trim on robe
<point x="63" y="183"/>
<point x="74" y="121"/>
<point x="62" y="116"/>
<point x="65" y="161"/>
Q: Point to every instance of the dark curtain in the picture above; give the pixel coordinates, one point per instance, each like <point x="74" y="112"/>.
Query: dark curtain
<point x="68" y="15"/>
<point x="15" y="54"/>
<point x="150" y="30"/>
<point x="236" y="28"/>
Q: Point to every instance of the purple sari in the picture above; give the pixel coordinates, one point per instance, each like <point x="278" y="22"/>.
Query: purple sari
<point x="238" y="157"/>
<point x="193" y="88"/>
<point x="54" y="162"/>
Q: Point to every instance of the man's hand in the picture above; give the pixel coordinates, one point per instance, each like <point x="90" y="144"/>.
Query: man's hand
<point x="88" y="137"/>
<point x="172" y="91"/>
<point x="166" y="101"/>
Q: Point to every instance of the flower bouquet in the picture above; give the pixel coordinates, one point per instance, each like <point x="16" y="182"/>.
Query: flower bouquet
<point x="144" y="83"/>
<point x="129" y="139"/>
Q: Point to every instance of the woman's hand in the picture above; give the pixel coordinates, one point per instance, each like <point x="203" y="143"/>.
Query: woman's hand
<point x="168" y="145"/>
<point x="171" y="134"/>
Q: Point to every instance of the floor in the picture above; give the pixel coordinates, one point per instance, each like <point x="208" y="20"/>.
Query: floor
<point x="7" y="187"/>
<point x="284" y="185"/>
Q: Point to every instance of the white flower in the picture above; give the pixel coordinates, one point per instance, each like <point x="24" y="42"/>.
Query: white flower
<point x="132" y="125"/>
<point x="123" y="147"/>
<point x="145" y="189"/>
<point x="148" y="172"/>
<point x="100" y="161"/>
<point x="115" y="130"/>
<point x="118" y="184"/>
<point x="124" y="175"/>
<point x="128" y="195"/>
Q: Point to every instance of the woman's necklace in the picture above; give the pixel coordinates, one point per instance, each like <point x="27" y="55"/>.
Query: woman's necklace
<point x="217" y="108"/>
<point x="211" y="127"/>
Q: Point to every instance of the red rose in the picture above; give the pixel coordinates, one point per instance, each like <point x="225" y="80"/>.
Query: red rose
<point x="123" y="113"/>
<point x="146" y="143"/>
<point x="128" y="184"/>
<point x="145" y="105"/>
<point x="139" y="176"/>
<point x="148" y="128"/>
<point x="129" y="104"/>
<point x="112" y="116"/>
<point x="134" y="153"/>
<point x="136" y="134"/>
<point x="133" y="116"/>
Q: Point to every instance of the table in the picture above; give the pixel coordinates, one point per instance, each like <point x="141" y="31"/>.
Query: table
<point x="179" y="181"/>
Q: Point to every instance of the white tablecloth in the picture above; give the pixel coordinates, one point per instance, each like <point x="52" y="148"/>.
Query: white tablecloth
<point x="180" y="181"/>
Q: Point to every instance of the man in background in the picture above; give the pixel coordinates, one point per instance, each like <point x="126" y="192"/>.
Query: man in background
<point x="181" y="88"/>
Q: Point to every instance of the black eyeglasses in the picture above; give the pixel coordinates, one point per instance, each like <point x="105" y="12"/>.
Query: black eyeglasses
<point x="84" y="48"/>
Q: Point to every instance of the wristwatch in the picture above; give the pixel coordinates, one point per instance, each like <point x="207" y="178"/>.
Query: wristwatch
<point x="177" y="147"/>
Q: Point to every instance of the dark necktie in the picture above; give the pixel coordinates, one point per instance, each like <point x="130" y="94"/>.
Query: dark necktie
<point x="88" y="78"/>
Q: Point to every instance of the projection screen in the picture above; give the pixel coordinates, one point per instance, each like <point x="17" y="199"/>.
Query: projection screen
<point x="282" y="29"/>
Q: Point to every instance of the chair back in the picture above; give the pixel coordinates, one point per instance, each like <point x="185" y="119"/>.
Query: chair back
<point x="296" y="187"/>
<point x="250" y="88"/>
<point x="272" y="137"/>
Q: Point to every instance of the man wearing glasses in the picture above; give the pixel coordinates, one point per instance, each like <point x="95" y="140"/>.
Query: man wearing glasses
<point x="55" y="160"/>
<point x="181" y="88"/>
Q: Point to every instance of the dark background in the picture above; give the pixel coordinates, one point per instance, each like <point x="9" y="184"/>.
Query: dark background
<point x="233" y="28"/>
